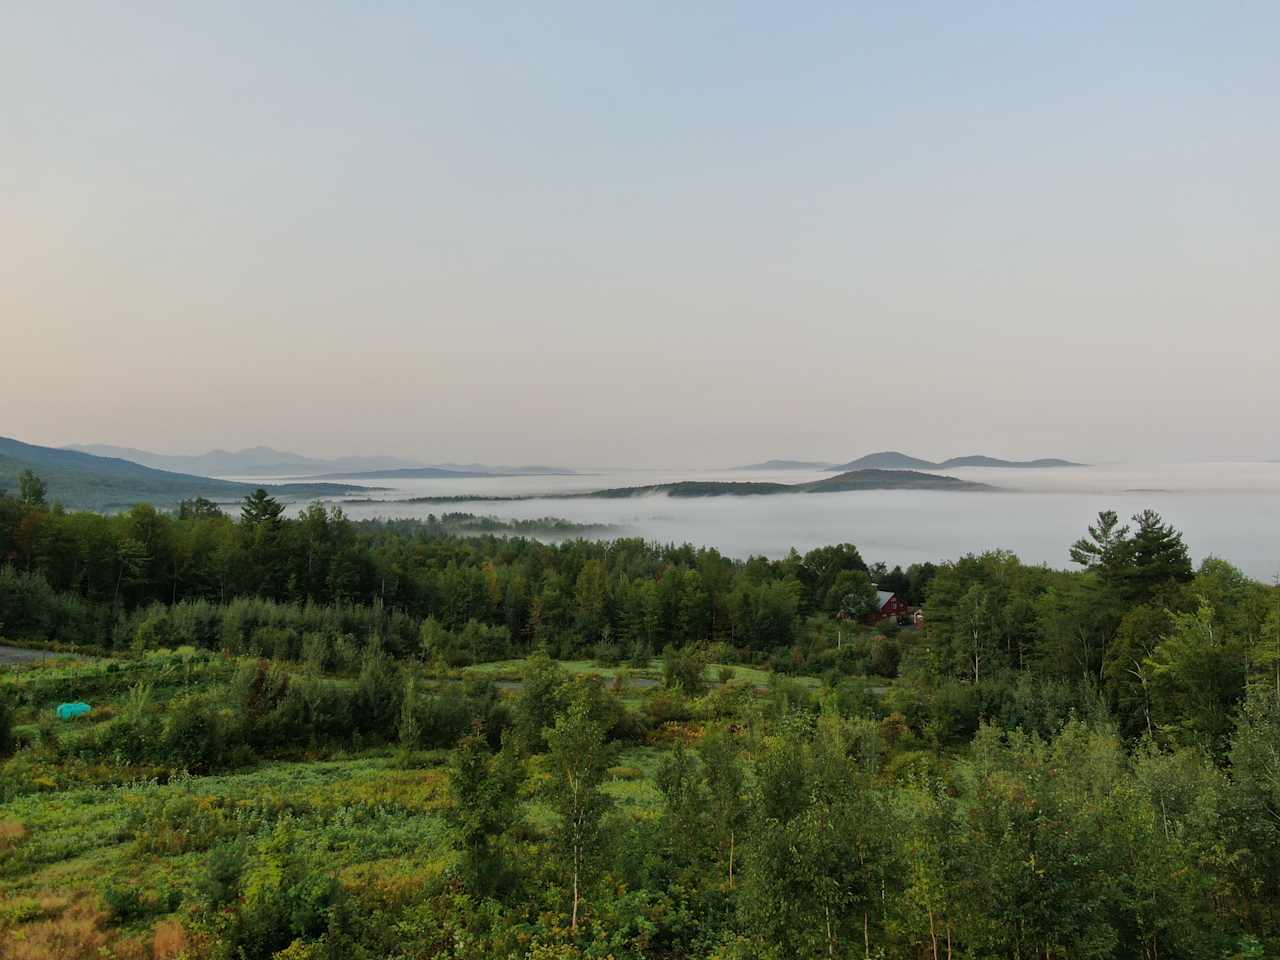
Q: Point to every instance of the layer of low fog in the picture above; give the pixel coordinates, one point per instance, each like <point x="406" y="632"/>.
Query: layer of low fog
<point x="1224" y="509"/>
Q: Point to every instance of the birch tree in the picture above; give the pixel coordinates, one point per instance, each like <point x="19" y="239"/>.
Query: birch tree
<point x="579" y="759"/>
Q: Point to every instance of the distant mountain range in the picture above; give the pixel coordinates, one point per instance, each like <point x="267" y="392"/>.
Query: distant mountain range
<point x="894" y="460"/>
<point x="530" y="470"/>
<point x="83" y="480"/>
<point x="788" y="465"/>
<point x="268" y="462"/>
<point x="444" y="473"/>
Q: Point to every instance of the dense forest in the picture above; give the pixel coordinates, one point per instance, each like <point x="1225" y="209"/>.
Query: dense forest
<point x="313" y="737"/>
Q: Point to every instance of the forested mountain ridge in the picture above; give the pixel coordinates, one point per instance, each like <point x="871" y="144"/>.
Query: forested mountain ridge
<point x="78" y="479"/>
<point x="250" y="462"/>
<point x="268" y="462"/>
<point x="896" y="460"/>
<point x="893" y="460"/>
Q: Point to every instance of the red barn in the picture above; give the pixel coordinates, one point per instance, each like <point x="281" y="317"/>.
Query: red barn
<point x="890" y="606"/>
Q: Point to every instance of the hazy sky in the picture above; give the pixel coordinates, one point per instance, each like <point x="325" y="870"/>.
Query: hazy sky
<point x="643" y="234"/>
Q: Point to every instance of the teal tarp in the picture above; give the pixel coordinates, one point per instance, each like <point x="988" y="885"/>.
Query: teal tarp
<point x="69" y="711"/>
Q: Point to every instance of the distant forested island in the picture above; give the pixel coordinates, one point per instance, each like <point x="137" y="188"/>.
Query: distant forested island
<point x="850" y="480"/>
<point x="464" y="524"/>
<point x="844" y="482"/>
<point x="895" y="460"/>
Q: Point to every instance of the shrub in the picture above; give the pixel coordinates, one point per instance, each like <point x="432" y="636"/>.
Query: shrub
<point x="639" y="654"/>
<point x="954" y="712"/>
<point x="275" y="642"/>
<point x="134" y="736"/>
<point x="728" y="700"/>
<point x="153" y="631"/>
<point x="854" y="698"/>
<point x="443" y="719"/>
<point x="284" y="894"/>
<point x="607" y="654"/>
<point x="317" y="651"/>
<point x="128" y="903"/>
<point x="7" y="739"/>
<point x="685" y="669"/>
<point x="484" y="643"/>
<point x="220" y="883"/>
<point x="666" y="706"/>
<point x="885" y="655"/>
<point x="378" y="692"/>
<point x="192" y="737"/>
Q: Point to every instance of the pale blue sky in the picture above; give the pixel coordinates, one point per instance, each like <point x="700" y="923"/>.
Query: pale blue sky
<point x="643" y="235"/>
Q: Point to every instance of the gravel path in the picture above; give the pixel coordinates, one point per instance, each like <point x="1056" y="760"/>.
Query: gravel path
<point x="14" y="655"/>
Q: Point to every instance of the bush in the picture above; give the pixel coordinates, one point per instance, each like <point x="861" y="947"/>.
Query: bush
<point x="153" y="631"/>
<point x="220" y="883"/>
<point x="727" y="701"/>
<point x="317" y="651"/>
<point x="607" y="654"/>
<point x="275" y="642"/>
<point x="128" y="903"/>
<point x="955" y="712"/>
<point x="639" y="653"/>
<point x="443" y="719"/>
<point x="684" y="669"/>
<point x="192" y="737"/>
<point x="378" y="692"/>
<point x="667" y="706"/>
<point x="7" y="739"/>
<point x="285" y="894"/>
<point x="885" y="656"/>
<point x="854" y="698"/>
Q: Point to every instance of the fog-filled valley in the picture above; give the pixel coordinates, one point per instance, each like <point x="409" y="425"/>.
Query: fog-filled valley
<point x="1226" y="509"/>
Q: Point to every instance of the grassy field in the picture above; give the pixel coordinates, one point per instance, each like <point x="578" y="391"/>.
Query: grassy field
<point x="122" y="849"/>
<point x="513" y="669"/>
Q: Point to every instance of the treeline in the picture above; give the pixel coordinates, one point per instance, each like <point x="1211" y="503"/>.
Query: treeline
<point x="1173" y="649"/>
<point x="1170" y="648"/>
<point x="570" y="597"/>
